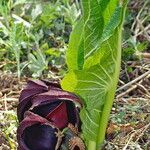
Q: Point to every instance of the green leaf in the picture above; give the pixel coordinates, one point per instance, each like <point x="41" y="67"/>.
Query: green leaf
<point x="89" y="126"/>
<point x="93" y="24"/>
<point x="97" y="41"/>
<point x="75" y="48"/>
<point x="36" y="11"/>
<point x="95" y="83"/>
<point x="38" y="63"/>
<point x="94" y="28"/>
<point x="107" y="30"/>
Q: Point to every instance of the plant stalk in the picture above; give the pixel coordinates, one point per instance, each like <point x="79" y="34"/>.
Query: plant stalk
<point x="109" y="100"/>
<point x="108" y="105"/>
<point x="92" y="145"/>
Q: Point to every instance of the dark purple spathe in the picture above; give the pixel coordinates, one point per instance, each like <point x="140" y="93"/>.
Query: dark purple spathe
<point x="36" y="133"/>
<point x="44" y="110"/>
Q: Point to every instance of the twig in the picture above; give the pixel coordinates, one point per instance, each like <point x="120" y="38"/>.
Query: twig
<point x="145" y="55"/>
<point x="138" y="132"/>
<point x="140" y="86"/>
<point x="127" y="91"/>
<point x="134" y="81"/>
<point x="138" y="15"/>
<point x="145" y="29"/>
<point x="8" y="99"/>
<point x="136" y="99"/>
<point x="142" y="28"/>
<point x="143" y="130"/>
<point x="145" y="67"/>
<point x="5" y="103"/>
<point x="125" y="147"/>
<point x="121" y="82"/>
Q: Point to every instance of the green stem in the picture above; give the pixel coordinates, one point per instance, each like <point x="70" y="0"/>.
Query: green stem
<point x="104" y="119"/>
<point x="109" y="100"/>
<point x="92" y="145"/>
<point x="110" y="96"/>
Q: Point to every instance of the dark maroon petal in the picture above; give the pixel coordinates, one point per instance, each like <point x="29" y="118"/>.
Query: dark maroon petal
<point x="33" y="122"/>
<point x="43" y="104"/>
<point x="44" y="109"/>
<point x="73" y="113"/>
<point x="33" y="87"/>
<point x="59" y="116"/>
<point x="40" y="137"/>
<point x="35" y="84"/>
<point x="27" y="93"/>
<point x="25" y="100"/>
<point x="58" y="113"/>
<point x="55" y="95"/>
<point x="23" y="106"/>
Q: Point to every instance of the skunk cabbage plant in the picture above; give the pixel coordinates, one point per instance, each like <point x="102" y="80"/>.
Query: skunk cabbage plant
<point x="44" y="110"/>
<point x="93" y="60"/>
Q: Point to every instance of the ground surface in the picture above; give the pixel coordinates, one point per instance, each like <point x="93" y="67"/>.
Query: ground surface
<point x="129" y="126"/>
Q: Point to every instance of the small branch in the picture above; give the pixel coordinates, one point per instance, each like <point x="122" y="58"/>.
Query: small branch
<point x="139" y="13"/>
<point x="5" y="103"/>
<point x="8" y="99"/>
<point x="121" y="82"/>
<point x="126" y="92"/>
<point x="143" y="29"/>
<point x="133" y="81"/>
<point x="144" y="55"/>
<point x="139" y="133"/>
<point x="140" y="86"/>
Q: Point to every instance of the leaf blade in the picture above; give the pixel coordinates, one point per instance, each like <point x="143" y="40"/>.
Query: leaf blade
<point x="96" y="81"/>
